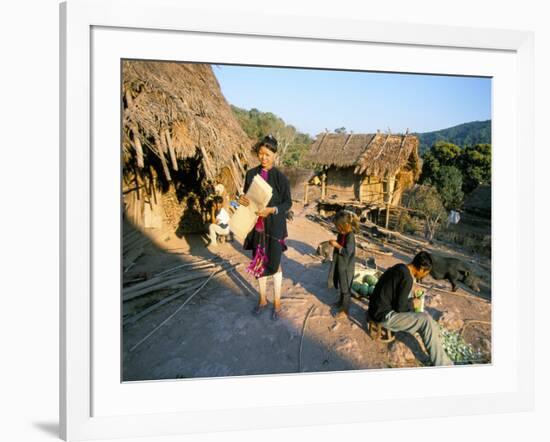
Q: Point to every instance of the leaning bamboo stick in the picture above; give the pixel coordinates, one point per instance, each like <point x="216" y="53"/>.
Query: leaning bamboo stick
<point x="171" y="149"/>
<point x="160" y="148"/>
<point x="137" y="146"/>
<point x="206" y="162"/>
<point x="241" y="168"/>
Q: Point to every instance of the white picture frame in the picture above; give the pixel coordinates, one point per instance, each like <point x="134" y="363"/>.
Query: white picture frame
<point x="85" y="411"/>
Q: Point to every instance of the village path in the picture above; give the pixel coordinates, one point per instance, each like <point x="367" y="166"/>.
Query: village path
<point x="216" y="333"/>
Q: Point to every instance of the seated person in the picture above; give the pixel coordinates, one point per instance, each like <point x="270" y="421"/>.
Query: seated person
<point x="220" y="221"/>
<point x="389" y="306"/>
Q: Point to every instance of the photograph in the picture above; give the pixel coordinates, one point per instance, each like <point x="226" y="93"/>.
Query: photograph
<point x="280" y="220"/>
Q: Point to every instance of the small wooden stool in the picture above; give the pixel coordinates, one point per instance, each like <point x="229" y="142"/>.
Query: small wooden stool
<point x="379" y="333"/>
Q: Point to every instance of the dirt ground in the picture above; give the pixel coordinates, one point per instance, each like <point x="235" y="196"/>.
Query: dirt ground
<point x="216" y="334"/>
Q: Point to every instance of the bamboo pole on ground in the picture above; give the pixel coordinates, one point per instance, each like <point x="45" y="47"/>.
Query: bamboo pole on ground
<point x="447" y="292"/>
<point x="177" y="310"/>
<point x="157" y="283"/>
<point x="302" y="339"/>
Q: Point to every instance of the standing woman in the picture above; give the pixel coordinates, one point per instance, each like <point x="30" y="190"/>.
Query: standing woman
<point x="267" y="238"/>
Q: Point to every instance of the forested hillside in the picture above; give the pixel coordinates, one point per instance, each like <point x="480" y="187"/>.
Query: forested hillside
<point x="467" y="134"/>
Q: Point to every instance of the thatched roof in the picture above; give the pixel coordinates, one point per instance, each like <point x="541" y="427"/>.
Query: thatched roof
<point x="185" y="101"/>
<point x="381" y="155"/>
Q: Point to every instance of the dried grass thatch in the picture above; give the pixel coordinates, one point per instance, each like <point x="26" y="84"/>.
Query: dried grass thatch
<point x="176" y="111"/>
<point x="180" y="137"/>
<point x="380" y="155"/>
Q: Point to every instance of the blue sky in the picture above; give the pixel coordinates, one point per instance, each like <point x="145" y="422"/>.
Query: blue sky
<point x="315" y="100"/>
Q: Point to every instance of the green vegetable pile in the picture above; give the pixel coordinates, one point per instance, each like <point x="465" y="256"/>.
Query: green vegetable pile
<point x="458" y="349"/>
<point x="363" y="284"/>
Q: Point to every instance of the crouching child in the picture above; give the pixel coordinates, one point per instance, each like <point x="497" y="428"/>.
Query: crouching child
<point x="220" y="221"/>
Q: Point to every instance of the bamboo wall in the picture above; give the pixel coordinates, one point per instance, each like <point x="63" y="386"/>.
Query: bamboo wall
<point x="372" y="190"/>
<point x="343" y="183"/>
<point x="348" y="186"/>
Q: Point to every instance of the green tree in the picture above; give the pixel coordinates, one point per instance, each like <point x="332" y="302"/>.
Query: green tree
<point x="475" y="163"/>
<point x="292" y="143"/>
<point x="426" y="202"/>
<point x="448" y="181"/>
<point x="440" y="154"/>
<point x="340" y="130"/>
<point x="441" y="169"/>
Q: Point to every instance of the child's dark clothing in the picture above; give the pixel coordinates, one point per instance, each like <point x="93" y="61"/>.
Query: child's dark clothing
<point x="342" y="269"/>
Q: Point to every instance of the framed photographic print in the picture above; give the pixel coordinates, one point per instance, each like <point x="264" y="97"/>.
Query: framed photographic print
<point x="292" y="217"/>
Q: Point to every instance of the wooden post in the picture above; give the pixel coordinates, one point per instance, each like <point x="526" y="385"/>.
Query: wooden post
<point x="241" y="168"/>
<point x="323" y="186"/>
<point x="171" y="149"/>
<point x="209" y="170"/>
<point x="390" y="182"/>
<point x="137" y="146"/>
<point x="137" y="183"/>
<point x="163" y="159"/>
<point x="306" y="188"/>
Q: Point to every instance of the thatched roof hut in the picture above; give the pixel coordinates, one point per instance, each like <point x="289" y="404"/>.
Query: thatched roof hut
<point x="179" y="134"/>
<point x="381" y="155"/>
<point x="373" y="169"/>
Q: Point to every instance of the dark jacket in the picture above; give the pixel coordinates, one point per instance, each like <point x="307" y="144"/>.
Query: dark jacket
<point x="391" y="293"/>
<point x="342" y="268"/>
<point x="275" y="225"/>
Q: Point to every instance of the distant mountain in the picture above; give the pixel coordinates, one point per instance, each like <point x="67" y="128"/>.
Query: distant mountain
<point x="467" y="134"/>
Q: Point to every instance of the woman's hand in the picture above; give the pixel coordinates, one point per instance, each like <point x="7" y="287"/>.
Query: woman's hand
<point x="264" y="213"/>
<point x="334" y="243"/>
<point x="243" y="201"/>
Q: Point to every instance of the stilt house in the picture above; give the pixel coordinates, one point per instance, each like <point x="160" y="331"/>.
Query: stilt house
<point x="368" y="170"/>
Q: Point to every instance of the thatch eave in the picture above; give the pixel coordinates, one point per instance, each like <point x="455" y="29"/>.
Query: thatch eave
<point x="178" y="109"/>
<point x="381" y="155"/>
